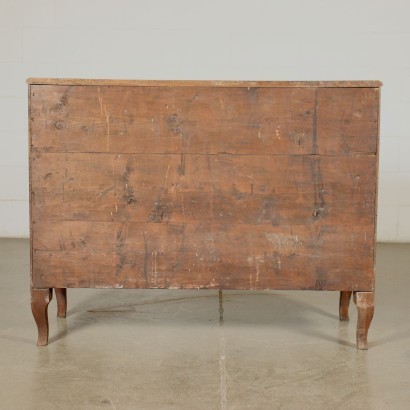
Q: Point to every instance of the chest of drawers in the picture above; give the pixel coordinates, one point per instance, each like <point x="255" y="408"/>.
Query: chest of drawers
<point x="204" y="185"/>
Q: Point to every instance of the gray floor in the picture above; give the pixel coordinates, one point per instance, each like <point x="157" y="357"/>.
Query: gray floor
<point x="121" y="349"/>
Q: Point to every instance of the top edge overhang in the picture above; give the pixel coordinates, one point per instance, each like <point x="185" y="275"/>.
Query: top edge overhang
<point x="200" y="83"/>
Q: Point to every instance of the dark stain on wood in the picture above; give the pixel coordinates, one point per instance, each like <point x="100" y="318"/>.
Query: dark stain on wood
<point x="238" y="194"/>
<point x="320" y="279"/>
<point x="181" y="167"/>
<point x="129" y="195"/>
<point x="120" y="251"/>
<point x="59" y="107"/>
<point x="267" y="210"/>
<point x="162" y="211"/>
<point x="175" y="124"/>
<point x="64" y="98"/>
<point x="253" y="94"/>
<point x="319" y="206"/>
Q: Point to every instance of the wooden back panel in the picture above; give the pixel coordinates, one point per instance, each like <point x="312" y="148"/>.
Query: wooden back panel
<point x="203" y="186"/>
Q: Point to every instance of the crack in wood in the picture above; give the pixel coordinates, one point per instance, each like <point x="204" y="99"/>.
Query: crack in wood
<point x="145" y="267"/>
<point x="319" y="206"/>
<point x="120" y="251"/>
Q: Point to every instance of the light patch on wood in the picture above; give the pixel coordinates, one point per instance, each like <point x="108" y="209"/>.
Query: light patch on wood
<point x="222" y="103"/>
<point x="100" y="101"/>
<point x="257" y="270"/>
<point x="166" y="176"/>
<point x="107" y="120"/>
<point x="154" y="267"/>
<point x="115" y="286"/>
<point x="285" y="244"/>
<point x="257" y="260"/>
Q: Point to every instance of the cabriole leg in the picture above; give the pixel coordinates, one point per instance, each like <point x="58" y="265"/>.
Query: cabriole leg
<point x="61" y="296"/>
<point x="40" y="298"/>
<point x="344" y="302"/>
<point x="365" y="306"/>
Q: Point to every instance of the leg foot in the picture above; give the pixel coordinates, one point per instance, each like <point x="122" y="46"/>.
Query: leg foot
<point x="365" y="306"/>
<point x="61" y="296"/>
<point x="344" y="305"/>
<point x="40" y="298"/>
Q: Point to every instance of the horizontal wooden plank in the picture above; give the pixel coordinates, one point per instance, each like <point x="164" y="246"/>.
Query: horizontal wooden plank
<point x="171" y="120"/>
<point x="201" y="83"/>
<point x="203" y="120"/>
<point x="187" y="188"/>
<point x="135" y="255"/>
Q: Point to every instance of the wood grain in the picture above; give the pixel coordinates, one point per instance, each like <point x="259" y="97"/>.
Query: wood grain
<point x="347" y="121"/>
<point x="101" y="254"/>
<point x="203" y="185"/>
<point x="203" y="120"/>
<point x="172" y="120"/>
<point x="224" y="188"/>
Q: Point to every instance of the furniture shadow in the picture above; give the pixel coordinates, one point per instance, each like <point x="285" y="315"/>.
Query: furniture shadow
<point x="163" y="307"/>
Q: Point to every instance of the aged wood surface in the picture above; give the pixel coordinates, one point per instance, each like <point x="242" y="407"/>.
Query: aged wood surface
<point x="203" y="187"/>
<point x="204" y="120"/>
<point x="102" y="254"/>
<point x="365" y="307"/>
<point x="209" y="83"/>
<point x="224" y="185"/>
<point x="275" y="190"/>
<point x="40" y="298"/>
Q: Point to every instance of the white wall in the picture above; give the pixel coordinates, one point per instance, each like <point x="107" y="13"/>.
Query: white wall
<point x="213" y="39"/>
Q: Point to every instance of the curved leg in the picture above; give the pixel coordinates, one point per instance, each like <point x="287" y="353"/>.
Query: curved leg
<point x="40" y="298"/>
<point x="365" y="306"/>
<point x="344" y="305"/>
<point x="61" y="296"/>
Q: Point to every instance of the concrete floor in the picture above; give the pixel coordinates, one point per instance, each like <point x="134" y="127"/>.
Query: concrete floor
<point x="145" y="349"/>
